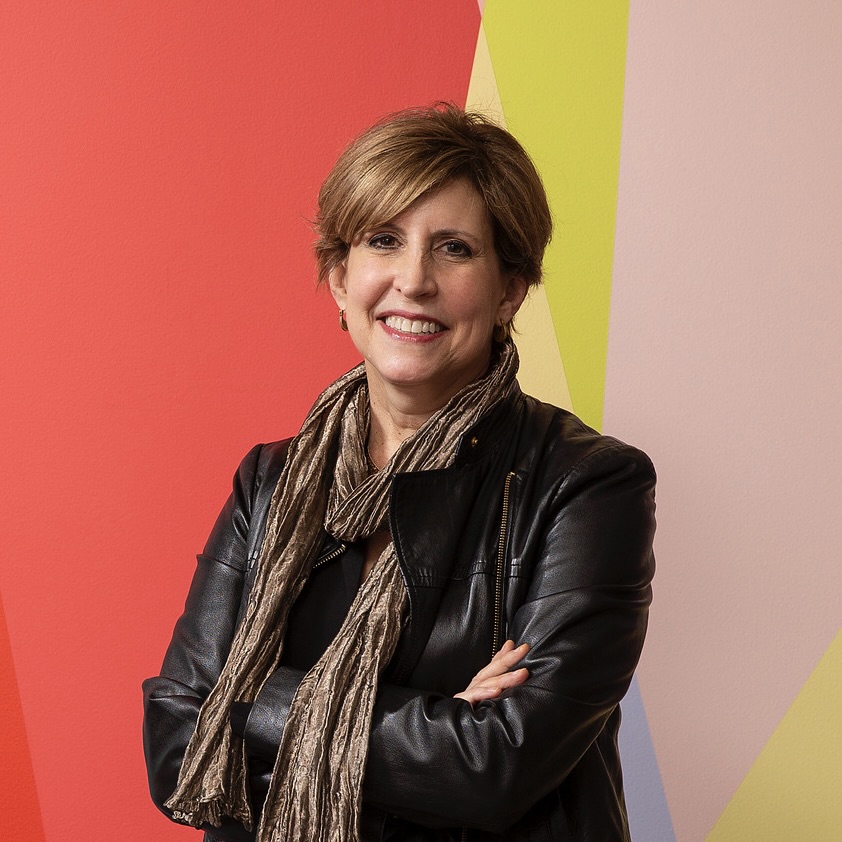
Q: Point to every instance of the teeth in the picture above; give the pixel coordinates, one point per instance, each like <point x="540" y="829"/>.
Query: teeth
<point x="411" y="325"/>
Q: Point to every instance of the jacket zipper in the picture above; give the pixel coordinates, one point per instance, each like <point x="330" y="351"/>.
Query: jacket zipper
<point x="498" y="573"/>
<point x="338" y="550"/>
<point x="320" y="562"/>
<point x="498" y="579"/>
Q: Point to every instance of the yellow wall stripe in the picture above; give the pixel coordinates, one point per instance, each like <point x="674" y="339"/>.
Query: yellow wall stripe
<point x="794" y="788"/>
<point x="560" y="68"/>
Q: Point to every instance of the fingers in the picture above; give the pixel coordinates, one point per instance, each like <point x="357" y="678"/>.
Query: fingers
<point x="511" y="679"/>
<point x="504" y="660"/>
<point x="511" y="654"/>
<point x="498" y="675"/>
<point x="492" y="688"/>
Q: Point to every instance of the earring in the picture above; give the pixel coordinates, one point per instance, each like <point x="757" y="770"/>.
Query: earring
<point x="342" y="323"/>
<point x="502" y="332"/>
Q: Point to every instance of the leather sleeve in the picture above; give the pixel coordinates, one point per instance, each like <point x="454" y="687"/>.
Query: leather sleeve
<point x="200" y="645"/>
<point x="584" y="614"/>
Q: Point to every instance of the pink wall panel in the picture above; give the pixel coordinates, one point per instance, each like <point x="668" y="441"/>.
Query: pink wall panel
<point x="160" y="163"/>
<point x="724" y="356"/>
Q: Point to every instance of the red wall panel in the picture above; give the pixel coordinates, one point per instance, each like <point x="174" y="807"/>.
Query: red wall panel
<point x="16" y="776"/>
<point x="160" y="162"/>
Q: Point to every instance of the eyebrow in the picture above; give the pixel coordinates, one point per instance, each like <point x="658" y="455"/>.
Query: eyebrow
<point x="439" y="232"/>
<point x="455" y="232"/>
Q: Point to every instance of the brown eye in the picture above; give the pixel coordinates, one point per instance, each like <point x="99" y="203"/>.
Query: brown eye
<point x="382" y="241"/>
<point x="456" y="248"/>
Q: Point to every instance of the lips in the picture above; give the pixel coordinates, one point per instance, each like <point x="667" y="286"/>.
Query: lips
<point x="414" y="326"/>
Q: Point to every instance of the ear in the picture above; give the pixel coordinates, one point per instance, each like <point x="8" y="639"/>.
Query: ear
<point x="513" y="296"/>
<point x="336" y="281"/>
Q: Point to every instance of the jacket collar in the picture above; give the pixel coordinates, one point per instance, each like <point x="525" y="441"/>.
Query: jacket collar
<point x="495" y="427"/>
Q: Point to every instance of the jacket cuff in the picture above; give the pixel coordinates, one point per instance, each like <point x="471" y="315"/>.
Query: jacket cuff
<point x="265" y="724"/>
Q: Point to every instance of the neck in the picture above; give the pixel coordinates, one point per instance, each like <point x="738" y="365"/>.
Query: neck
<point x="397" y="412"/>
<point x="390" y="426"/>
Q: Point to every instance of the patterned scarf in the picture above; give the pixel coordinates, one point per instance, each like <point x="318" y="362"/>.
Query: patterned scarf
<point x="325" y="487"/>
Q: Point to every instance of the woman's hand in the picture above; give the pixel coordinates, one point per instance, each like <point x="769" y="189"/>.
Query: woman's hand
<point x="497" y="675"/>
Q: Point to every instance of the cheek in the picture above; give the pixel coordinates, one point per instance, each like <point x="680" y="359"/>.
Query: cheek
<point x="492" y="308"/>
<point x="363" y="289"/>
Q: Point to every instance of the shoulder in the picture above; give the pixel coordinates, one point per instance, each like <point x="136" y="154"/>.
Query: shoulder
<point x="261" y="469"/>
<point x="557" y="434"/>
<point x="270" y="458"/>
<point x="590" y="493"/>
<point x="257" y="475"/>
<point x="563" y="465"/>
<point x="262" y="461"/>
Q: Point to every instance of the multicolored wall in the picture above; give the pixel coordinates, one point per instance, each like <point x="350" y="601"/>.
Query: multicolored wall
<point x="158" y="165"/>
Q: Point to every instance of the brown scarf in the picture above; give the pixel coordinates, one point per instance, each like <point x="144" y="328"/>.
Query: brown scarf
<point x="316" y="784"/>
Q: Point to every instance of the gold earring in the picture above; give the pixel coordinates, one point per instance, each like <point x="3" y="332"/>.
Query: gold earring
<point x="342" y="323"/>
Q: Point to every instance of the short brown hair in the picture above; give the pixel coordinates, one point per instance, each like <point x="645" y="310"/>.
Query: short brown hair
<point x="411" y="153"/>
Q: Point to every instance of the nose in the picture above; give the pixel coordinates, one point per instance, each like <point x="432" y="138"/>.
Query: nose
<point x="415" y="276"/>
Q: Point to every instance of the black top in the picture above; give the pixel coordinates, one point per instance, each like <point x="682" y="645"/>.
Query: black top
<point x="327" y="594"/>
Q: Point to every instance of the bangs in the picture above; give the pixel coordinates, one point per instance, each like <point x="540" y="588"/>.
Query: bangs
<point x="385" y="188"/>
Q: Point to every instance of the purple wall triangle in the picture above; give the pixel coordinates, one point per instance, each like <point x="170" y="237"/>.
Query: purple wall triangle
<point x="649" y="816"/>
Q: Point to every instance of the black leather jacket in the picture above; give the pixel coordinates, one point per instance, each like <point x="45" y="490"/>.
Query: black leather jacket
<point x="541" y="531"/>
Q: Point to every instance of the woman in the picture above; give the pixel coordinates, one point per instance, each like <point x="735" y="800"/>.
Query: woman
<point x="346" y="664"/>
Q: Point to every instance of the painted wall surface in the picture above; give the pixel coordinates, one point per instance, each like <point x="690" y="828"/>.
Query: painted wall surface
<point x="158" y="165"/>
<point x="724" y="363"/>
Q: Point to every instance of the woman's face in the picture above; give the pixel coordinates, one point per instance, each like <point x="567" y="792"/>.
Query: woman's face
<point x="422" y="294"/>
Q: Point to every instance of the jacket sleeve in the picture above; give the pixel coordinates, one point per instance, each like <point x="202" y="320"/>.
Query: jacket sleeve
<point x="584" y="614"/>
<point x="200" y="645"/>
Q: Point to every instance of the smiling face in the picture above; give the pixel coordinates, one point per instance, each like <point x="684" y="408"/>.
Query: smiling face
<point x="422" y="294"/>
